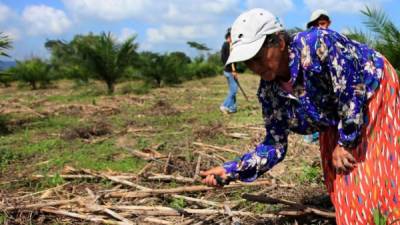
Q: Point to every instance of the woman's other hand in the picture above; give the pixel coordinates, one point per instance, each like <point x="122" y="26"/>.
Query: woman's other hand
<point x="209" y="176"/>
<point x="342" y="160"/>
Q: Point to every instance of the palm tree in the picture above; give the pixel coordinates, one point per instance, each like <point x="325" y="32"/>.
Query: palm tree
<point x="33" y="71"/>
<point x="200" y="47"/>
<point x="106" y="58"/>
<point x="5" y="44"/>
<point x="386" y="36"/>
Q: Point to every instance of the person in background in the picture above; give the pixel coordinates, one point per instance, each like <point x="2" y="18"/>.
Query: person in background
<point x="229" y="104"/>
<point x="319" y="80"/>
<point x="320" y="19"/>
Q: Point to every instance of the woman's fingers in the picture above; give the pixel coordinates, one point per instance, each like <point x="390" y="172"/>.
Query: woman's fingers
<point x="342" y="160"/>
<point x="350" y="158"/>
<point x="210" y="180"/>
<point x="345" y="164"/>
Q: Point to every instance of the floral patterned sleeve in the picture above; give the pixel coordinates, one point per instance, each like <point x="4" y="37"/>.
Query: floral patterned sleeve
<point x="273" y="149"/>
<point x="349" y="65"/>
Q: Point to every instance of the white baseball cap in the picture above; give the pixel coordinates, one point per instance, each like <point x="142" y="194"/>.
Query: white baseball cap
<point x="249" y="32"/>
<point x="316" y="14"/>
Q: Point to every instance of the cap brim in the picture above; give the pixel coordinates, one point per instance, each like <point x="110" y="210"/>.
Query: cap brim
<point x="245" y="52"/>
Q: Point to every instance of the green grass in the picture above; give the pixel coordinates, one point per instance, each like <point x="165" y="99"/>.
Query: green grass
<point x="37" y="147"/>
<point x="310" y="174"/>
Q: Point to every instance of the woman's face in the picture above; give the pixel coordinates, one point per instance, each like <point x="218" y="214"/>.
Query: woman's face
<point x="270" y="62"/>
<point x="323" y="23"/>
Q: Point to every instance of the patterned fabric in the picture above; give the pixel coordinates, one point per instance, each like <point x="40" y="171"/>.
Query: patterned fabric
<point x="373" y="186"/>
<point x="332" y="79"/>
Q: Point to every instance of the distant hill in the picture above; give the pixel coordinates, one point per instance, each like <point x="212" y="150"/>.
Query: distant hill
<point x="7" y="64"/>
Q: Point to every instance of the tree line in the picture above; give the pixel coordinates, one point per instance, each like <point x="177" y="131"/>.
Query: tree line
<point x="102" y="57"/>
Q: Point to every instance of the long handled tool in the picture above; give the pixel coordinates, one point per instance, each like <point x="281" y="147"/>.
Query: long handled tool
<point x="241" y="89"/>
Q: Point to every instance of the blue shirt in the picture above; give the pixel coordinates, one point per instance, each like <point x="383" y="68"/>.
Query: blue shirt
<point x="332" y="78"/>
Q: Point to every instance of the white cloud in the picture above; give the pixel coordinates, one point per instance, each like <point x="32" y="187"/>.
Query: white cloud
<point x="110" y="10"/>
<point x="176" y="11"/>
<point x="199" y="11"/>
<point x="126" y="33"/>
<point x="5" y="12"/>
<point x="42" y="19"/>
<point x="169" y="33"/>
<point x="343" y="6"/>
<point x="278" y="7"/>
<point x="217" y="6"/>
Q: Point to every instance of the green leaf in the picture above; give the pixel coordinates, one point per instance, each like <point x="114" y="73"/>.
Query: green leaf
<point x="376" y="215"/>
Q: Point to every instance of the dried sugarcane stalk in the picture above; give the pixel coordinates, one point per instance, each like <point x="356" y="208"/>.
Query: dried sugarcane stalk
<point x="94" y="207"/>
<point x="167" y="166"/>
<point x="115" y="179"/>
<point x="157" y="221"/>
<point x="80" y="176"/>
<point x="197" y="170"/>
<point x="90" y="218"/>
<point x="67" y="176"/>
<point x="302" y="208"/>
<point x="144" y="169"/>
<point x="214" y="216"/>
<point x="45" y="192"/>
<point x="197" y="200"/>
<point x="235" y="220"/>
<point x="167" y="211"/>
<point x="162" y="177"/>
<point x="152" y="192"/>
<point x="39" y="205"/>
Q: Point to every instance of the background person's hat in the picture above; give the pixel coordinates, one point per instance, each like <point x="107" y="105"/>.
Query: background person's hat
<point x="249" y="31"/>
<point x="315" y="15"/>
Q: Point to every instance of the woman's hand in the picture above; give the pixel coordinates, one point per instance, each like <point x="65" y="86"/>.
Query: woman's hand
<point x="342" y="160"/>
<point x="209" y="176"/>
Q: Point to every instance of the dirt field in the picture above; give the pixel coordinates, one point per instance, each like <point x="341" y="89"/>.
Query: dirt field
<point x="74" y="155"/>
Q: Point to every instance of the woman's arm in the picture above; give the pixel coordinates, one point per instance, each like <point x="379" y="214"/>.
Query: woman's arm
<point x="273" y="149"/>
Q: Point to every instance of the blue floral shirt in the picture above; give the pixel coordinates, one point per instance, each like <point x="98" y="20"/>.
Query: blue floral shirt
<point x="332" y="79"/>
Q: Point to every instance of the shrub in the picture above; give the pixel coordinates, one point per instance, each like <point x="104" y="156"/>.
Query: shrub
<point x="34" y="71"/>
<point x="166" y="69"/>
<point x="203" y="69"/>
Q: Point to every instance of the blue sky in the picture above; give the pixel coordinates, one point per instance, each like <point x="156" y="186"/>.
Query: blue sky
<point x="160" y="25"/>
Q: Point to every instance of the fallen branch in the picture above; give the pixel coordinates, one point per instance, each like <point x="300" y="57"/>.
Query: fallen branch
<point x="232" y="207"/>
<point x="167" y="211"/>
<point x="302" y="208"/>
<point x="79" y="176"/>
<point x="228" y="210"/>
<point x="147" y="154"/>
<point x="45" y="192"/>
<point x="92" y="206"/>
<point x="39" y="205"/>
<point x="199" y="201"/>
<point x="116" y="179"/>
<point x="90" y="218"/>
<point x="197" y="170"/>
<point x="162" y="177"/>
<point x="167" y="165"/>
<point x="238" y="135"/>
<point x="145" y="169"/>
<point x="157" y="221"/>
<point x="155" y="192"/>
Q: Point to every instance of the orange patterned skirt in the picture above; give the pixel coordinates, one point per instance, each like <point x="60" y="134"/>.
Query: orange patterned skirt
<point x="371" y="190"/>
